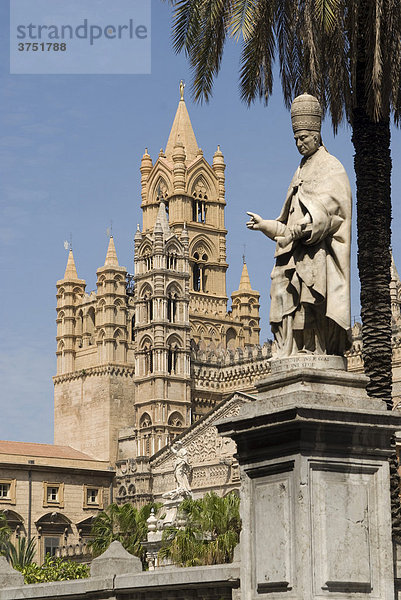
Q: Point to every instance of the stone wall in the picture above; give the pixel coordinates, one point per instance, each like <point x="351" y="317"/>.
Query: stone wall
<point x="201" y="583"/>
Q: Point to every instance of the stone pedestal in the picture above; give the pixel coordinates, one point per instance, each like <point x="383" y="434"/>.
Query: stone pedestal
<point x="315" y="496"/>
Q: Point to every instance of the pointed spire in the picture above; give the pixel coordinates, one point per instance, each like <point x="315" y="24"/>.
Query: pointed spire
<point x="138" y="234"/>
<point x="162" y="221"/>
<point x="394" y="273"/>
<point x="245" y="283"/>
<point x="182" y="131"/>
<point x="111" y="256"/>
<point x="70" y="270"/>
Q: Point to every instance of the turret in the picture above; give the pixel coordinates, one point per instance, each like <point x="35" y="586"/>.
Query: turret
<point x="146" y="167"/>
<point x="111" y="315"/>
<point x="245" y="308"/>
<point x="219" y="168"/>
<point x="70" y="290"/>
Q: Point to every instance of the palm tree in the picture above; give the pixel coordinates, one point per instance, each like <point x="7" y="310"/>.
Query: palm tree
<point x="124" y="523"/>
<point x="348" y="54"/>
<point x="210" y="535"/>
<point x="21" y="554"/>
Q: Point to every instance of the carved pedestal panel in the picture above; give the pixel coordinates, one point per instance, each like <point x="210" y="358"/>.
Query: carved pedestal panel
<point x="315" y="492"/>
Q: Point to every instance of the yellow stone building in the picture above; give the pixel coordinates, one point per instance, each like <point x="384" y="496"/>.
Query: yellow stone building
<point x="52" y="493"/>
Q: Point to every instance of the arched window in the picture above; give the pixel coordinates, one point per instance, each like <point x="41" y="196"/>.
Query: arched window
<point x="90" y="324"/>
<point x="199" y="198"/>
<point x="133" y="328"/>
<point x="199" y="272"/>
<point x="171" y="261"/>
<point x="231" y="337"/>
<point x="148" y="359"/>
<point x="148" y="259"/>
<point x="148" y="308"/>
<point x="198" y="210"/>
<point x="176" y="420"/>
<point x="79" y="327"/>
<point x="145" y="421"/>
<point x="172" y="359"/>
<point x="171" y="307"/>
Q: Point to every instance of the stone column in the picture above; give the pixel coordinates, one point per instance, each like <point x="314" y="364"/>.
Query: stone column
<point x="315" y="497"/>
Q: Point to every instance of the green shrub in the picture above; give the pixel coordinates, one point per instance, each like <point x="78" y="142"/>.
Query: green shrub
<point x="54" y="569"/>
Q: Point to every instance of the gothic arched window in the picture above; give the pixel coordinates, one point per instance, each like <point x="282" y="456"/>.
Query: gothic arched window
<point x="133" y="328"/>
<point x="199" y="197"/>
<point x="148" y="360"/>
<point x="171" y="307"/>
<point x="172" y="359"/>
<point x="199" y="272"/>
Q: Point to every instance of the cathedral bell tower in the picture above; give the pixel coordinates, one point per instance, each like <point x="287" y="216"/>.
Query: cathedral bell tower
<point x="162" y="335"/>
<point x="193" y="192"/>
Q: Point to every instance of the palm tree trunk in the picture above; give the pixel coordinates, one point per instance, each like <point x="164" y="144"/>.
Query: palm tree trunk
<point x="372" y="162"/>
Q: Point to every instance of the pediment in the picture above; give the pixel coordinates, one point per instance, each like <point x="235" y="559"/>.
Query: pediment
<point x="202" y="441"/>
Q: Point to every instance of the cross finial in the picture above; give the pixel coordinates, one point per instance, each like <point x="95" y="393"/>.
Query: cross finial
<point x="243" y="256"/>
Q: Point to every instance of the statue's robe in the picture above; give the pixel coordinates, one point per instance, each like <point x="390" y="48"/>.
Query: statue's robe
<point x="310" y="292"/>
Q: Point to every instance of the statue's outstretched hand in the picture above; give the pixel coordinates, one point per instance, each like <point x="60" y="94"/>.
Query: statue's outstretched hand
<point x="255" y="221"/>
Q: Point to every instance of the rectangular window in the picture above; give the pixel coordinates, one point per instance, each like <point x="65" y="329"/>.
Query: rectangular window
<point x="51" y="544"/>
<point x="8" y="491"/>
<point x="92" y="496"/>
<point x="5" y="490"/>
<point x="53" y="494"/>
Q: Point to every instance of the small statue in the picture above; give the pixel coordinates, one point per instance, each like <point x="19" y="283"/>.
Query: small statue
<point x="310" y="291"/>
<point x="182" y="468"/>
<point x="182" y="87"/>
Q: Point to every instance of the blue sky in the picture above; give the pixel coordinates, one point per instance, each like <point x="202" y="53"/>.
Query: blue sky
<point x="70" y="150"/>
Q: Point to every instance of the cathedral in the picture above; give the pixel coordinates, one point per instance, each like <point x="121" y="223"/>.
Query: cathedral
<point x="146" y="356"/>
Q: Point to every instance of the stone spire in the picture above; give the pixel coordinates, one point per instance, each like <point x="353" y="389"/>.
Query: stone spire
<point x="245" y="283"/>
<point x="111" y="256"/>
<point x="245" y="307"/>
<point x="182" y="131"/>
<point x="162" y="221"/>
<point x="394" y="273"/>
<point x="70" y="270"/>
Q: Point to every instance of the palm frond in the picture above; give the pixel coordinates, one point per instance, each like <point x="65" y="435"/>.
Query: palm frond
<point x="326" y="13"/>
<point x="257" y="58"/>
<point x="206" y="54"/>
<point x="241" y="20"/>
